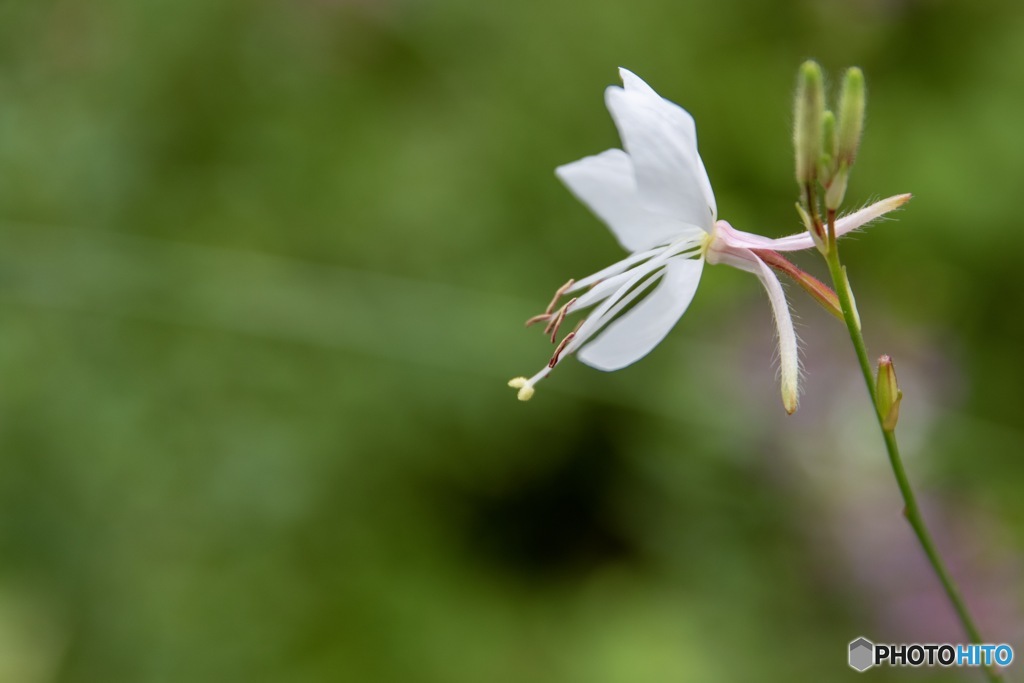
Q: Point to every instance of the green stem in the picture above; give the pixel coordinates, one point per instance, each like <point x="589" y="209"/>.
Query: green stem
<point x="910" y="510"/>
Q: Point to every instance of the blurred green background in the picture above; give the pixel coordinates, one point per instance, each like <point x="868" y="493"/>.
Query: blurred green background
<point x="263" y="271"/>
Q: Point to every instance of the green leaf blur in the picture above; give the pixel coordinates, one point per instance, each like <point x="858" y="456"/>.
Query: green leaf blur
<point x="263" y="271"/>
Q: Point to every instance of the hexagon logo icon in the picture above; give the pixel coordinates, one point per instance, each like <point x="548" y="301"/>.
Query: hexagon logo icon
<point x="862" y="654"/>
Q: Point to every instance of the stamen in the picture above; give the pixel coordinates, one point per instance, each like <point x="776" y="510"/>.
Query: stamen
<point x="567" y="345"/>
<point x="558" y="295"/>
<point x="555" y="319"/>
<point x="537" y="318"/>
<point x="549" y="311"/>
<point x="556" y="322"/>
<point x="622" y="297"/>
<point x="561" y="347"/>
<point x="616" y="268"/>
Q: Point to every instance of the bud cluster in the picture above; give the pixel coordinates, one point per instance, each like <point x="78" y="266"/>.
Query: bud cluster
<point x="825" y="145"/>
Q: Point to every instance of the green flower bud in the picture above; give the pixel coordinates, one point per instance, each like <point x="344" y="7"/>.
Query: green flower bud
<point x="837" y="187"/>
<point x="851" y="116"/>
<point x="887" y="394"/>
<point x="808" y="111"/>
<point x="828" y="147"/>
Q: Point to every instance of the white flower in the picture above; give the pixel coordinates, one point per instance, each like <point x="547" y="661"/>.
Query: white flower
<point x="657" y="200"/>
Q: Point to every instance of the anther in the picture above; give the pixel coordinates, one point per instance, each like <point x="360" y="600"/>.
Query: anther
<point x="556" y="321"/>
<point x="549" y="312"/>
<point x="561" y="347"/>
<point x="524" y="387"/>
<point x="558" y="295"/>
<point x="538" y="318"/>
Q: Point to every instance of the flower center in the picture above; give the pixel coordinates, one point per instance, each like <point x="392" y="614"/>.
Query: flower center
<point x="712" y="245"/>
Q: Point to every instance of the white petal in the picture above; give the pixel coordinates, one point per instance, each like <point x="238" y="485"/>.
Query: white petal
<point x="633" y="83"/>
<point x="670" y="175"/>
<point x="844" y="225"/>
<point x="645" y="274"/>
<point x="679" y="118"/>
<point x="632" y="336"/>
<point x="605" y="183"/>
<point x="606" y="288"/>
<point x="789" y="363"/>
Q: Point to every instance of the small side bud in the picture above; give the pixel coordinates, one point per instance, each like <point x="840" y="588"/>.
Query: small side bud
<point x="851" y="116"/>
<point x="837" y="189"/>
<point x="524" y="387"/>
<point x="887" y="394"/>
<point x="826" y="167"/>
<point x="808" y="111"/>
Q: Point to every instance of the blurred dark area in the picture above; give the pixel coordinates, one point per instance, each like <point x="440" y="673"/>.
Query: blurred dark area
<point x="263" y="272"/>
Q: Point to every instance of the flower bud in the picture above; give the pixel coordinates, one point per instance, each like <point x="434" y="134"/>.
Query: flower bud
<point x="887" y="394"/>
<point x="837" y="187"/>
<point x="827" y="165"/>
<point x="851" y="116"/>
<point x="808" y="110"/>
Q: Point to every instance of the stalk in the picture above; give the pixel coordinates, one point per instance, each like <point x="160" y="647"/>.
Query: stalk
<point x="910" y="510"/>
